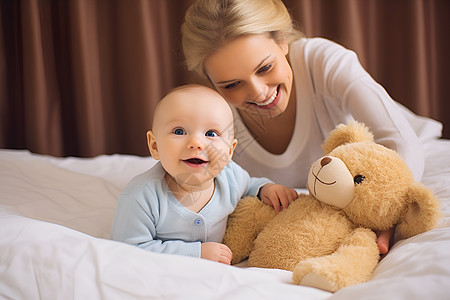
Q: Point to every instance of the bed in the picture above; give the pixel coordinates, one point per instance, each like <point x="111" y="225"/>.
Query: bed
<point x="55" y="216"/>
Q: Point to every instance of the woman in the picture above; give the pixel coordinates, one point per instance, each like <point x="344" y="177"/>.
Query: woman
<point x="287" y="91"/>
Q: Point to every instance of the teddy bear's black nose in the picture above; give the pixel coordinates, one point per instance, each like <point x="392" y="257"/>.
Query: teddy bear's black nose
<point x="325" y="161"/>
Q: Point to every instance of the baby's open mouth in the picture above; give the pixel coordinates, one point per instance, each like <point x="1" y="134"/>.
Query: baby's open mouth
<point x="195" y="161"/>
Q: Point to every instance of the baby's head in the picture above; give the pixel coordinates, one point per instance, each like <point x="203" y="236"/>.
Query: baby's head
<point x="192" y="134"/>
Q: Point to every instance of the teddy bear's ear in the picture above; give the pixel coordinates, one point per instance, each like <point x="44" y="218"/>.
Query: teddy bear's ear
<point x="343" y="134"/>
<point x="422" y="213"/>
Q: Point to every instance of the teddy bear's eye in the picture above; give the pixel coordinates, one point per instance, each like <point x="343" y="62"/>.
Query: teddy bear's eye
<point x="358" y="179"/>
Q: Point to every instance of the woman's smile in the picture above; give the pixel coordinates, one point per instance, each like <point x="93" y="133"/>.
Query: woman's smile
<point x="270" y="102"/>
<point x="252" y="73"/>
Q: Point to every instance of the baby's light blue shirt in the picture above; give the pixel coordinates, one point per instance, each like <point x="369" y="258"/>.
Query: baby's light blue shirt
<point x="149" y="216"/>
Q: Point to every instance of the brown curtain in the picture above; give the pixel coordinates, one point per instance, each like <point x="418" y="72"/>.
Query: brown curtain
<point x="82" y="77"/>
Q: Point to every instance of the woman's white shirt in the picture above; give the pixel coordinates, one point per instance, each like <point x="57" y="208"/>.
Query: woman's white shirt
<point x="331" y="88"/>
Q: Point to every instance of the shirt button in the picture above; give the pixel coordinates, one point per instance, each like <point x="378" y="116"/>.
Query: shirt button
<point x="198" y="222"/>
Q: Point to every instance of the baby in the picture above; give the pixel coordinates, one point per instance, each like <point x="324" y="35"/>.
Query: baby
<point x="181" y="205"/>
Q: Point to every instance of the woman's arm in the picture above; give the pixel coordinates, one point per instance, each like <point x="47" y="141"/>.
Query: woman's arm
<point x="350" y="92"/>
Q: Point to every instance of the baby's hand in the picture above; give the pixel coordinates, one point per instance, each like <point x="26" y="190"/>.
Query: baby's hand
<point x="277" y="195"/>
<point x="216" y="252"/>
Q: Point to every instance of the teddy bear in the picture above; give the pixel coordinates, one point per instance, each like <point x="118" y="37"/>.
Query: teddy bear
<point x="326" y="238"/>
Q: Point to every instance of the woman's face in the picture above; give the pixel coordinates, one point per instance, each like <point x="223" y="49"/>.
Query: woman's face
<point x="252" y="73"/>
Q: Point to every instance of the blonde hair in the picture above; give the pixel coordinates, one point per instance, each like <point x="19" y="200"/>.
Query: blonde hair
<point x="210" y="24"/>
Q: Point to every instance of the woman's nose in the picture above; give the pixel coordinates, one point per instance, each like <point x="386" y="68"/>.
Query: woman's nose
<point x="256" y="91"/>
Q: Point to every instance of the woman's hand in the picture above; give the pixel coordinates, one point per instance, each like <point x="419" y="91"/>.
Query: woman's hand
<point x="384" y="239"/>
<point x="277" y="195"/>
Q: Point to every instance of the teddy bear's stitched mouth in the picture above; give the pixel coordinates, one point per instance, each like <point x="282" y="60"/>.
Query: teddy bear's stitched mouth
<point x="317" y="179"/>
<point x="321" y="181"/>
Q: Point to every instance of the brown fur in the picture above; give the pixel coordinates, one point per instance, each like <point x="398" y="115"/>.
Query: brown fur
<point x="328" y="247"/>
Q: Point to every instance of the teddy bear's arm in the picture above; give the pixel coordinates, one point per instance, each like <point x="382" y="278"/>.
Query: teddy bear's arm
<point x="353" y="262"/>
<point x="244" y="224"/>
<point x="422" y="213"/>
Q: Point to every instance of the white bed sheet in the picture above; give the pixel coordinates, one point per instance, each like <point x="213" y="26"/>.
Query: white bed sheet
<point x="55" y="215"/>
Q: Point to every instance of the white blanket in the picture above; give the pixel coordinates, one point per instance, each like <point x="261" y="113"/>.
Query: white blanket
<point x="55" y="216"/>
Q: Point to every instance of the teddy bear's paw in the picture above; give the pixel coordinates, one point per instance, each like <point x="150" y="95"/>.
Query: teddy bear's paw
<point x="311" y="273"/>
<point x="318" y="281"/>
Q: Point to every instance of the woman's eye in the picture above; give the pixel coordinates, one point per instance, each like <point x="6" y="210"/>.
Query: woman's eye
<point x="211" y="133"/>
<point x="179" y="131"/>
<point x="265" y="68"/>
<point x="358" y="179"/>
<point x="232" y="85"/>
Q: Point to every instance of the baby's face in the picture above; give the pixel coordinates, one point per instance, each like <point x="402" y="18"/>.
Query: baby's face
<point x="193" y="130"/>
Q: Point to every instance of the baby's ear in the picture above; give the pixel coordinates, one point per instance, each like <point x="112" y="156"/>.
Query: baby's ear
<point x="152" y="146"/>
<point x="422" y="213"/>
<point x="232" y="147"/>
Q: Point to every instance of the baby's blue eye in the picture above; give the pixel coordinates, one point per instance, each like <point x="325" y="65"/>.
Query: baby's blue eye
<point x="211" y="133"/>
<point x="179" y="131"/>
